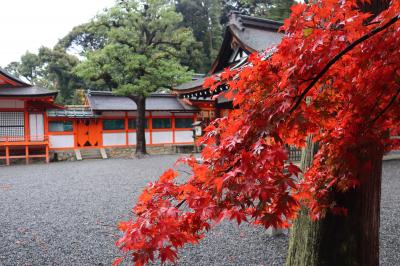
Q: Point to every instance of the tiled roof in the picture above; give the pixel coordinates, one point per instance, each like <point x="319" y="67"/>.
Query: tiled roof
<point x="30" y="91"/>
<point x="11" y="86"/>
<point x="191" y="84"/>
<point x="256" y="33"/>
<point x="253" y="34"/>
<point x="106" y="101"/>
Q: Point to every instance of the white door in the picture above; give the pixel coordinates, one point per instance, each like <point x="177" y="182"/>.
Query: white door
<point x="36" y="127"/>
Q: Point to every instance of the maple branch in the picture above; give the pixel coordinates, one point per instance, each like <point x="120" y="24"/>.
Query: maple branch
<point x="180" y="204"/>
<point x="340" y="55"/>
<point x="185" y="172"/>
<point x="183" y="201"/>
<point x="386" y="108"/>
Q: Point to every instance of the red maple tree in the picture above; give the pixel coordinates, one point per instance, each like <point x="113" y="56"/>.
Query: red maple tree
<point x="347" y="64"/>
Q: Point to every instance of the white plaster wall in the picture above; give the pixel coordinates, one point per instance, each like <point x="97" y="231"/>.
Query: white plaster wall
<point x="147" y="135"/>
<point x="13" y="104"/>
<point x="162" y="137"/>
<point x="132" y="138"/>
<point x="61" y="141"/>
<point x="184" y="136"/>
<point x="112" y="139"/>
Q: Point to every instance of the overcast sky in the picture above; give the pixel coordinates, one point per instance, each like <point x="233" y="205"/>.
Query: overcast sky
<point x="28" y="24"/>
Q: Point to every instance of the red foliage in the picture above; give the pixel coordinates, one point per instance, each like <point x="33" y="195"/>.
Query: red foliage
<point x="348" y="66"/>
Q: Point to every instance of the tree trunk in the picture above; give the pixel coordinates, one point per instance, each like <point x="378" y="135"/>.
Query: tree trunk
<point x="343" y="240"/>
<point x="140" y="101"/>
<point x="337" y="239"/>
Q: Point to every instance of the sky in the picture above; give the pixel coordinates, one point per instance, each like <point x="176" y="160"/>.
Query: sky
<point x="26" y="25"/>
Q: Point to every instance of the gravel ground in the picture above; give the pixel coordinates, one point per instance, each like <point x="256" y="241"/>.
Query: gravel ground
<point x="390" y="214"/>
<point x="65" y="214"/>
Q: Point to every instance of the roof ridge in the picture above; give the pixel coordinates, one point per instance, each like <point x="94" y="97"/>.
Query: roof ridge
<point x="158" y="94"/>
<point x="110" y="93"/>
<point x="99" y="93"/>
<point x="265" y="20"/>
<point x="241" y="21"/>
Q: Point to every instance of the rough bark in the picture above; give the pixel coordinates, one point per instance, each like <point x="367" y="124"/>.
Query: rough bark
<point x="337" y="239"/>
<point x="302" y="242"/>
<point x="343" y="240"/>
<point x="140" y="101"/>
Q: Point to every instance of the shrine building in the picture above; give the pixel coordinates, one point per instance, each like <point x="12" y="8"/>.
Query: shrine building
<point x="107" y="120"/>
<point x="23" y="119"/>
<point x="32" y="125"/>
<point x="243" y="36"/>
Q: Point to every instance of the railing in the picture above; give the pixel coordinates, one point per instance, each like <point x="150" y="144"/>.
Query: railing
<point x="13" y="140"/>
<point x="18" y="147"/>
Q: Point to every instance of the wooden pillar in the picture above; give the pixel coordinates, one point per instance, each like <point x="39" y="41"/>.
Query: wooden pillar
<point x="173" y="128"/>
<point x="47" y="153"/>
<point x="26" y="125"/>
<point x="26" y="153"/>
<point x="150" y="126"/>
<point x="45" y="126"/>
<point x="75" y="132"/>
<point x="7" y="155"/>
<point x="126" y="129"/>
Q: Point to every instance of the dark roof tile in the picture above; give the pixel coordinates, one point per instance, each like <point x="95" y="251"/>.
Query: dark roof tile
<point x="191" y="84"/>
<point x="14" y="87"/>
<point x="31" y="91"/>
<point x="106" y="101"/>
<point x="256" y="33"/>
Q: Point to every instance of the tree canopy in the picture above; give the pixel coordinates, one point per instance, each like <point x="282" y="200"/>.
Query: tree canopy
<point x="205" y="18"/>
<point x="346" y="63"/>
<point x="142" y="48"/>
<point x="141" y="54"/>
<point x="50" y="68"/>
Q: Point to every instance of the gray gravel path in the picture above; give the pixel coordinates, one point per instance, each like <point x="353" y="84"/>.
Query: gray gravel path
<point x="390" y="214"/>
<point x="65" y="213"/>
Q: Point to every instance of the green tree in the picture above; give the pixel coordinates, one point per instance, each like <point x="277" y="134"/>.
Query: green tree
<point x="84" y="38"/>
<point x="49" y="68"/>
<point x="271" y="9"/>
<point x="279" y="9"/>
<point x="203" y="17"/>
<point x="58" y="72"/>
<point x="30" y="67"/>
<point x="12" y="68"/>
<point x="141" y="55"/>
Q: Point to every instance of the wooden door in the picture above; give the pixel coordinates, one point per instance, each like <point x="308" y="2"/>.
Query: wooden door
<point x="88" y="133"/>
<point x="36" y="127"/>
